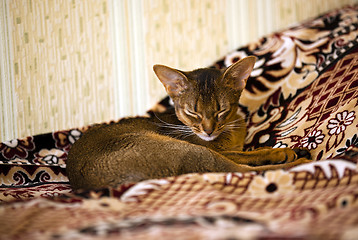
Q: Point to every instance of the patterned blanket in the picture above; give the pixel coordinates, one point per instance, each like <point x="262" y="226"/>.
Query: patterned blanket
<point x="302" y="92"/>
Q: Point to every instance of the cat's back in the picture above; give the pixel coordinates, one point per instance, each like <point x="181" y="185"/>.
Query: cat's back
<point x="102" y="137"/>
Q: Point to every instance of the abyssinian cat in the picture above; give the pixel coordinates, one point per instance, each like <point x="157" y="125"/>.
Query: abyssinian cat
<point x="204" y="133"/>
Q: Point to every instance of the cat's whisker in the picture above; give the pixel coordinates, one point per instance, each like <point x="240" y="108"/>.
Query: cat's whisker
<point x="178" y="127"/>
<point x="183" y="136"/>
<point x="234" y="121"/>
<point x="180" y="131"/>
<point x="163" y="123"/>
<point x="235" y="124"/>
<point x="180" y="134"/>
<point x="236" y="127"/>
<point x="183" y="132"/>
<point x="171" y="126"/>
<point x="226" y="132"/>
<point x="230" y="129"/>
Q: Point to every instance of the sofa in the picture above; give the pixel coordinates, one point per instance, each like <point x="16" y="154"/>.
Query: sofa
<point x="303" y="92"/>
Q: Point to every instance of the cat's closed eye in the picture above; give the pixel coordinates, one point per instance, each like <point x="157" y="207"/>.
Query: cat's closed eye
<point x="221" y="115"/>
<point x="192" y="114"/>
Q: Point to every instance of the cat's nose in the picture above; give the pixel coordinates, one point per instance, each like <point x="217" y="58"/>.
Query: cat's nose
<point x="208" y="125"/>
<point x="209" y="131"/>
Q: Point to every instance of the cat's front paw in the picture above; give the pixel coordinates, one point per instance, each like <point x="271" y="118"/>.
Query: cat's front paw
<point x="302" y="152"/>
<point x="291" y="155"/>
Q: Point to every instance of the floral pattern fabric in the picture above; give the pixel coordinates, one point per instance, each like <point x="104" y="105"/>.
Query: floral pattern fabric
<point x="303" y="92"/>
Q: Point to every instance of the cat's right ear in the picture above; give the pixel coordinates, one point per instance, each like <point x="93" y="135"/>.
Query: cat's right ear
<point x="238" y="73"/>
<point x="174" y="81"/>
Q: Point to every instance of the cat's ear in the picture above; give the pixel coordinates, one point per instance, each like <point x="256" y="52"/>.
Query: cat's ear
<point x="173" y="80"/>
<point x="239" y="72"/>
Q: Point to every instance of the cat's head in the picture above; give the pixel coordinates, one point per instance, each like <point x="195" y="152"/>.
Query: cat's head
<point x="206" y="100"/>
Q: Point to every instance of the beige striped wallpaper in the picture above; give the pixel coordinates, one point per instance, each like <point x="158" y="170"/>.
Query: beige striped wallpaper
<point x="68" y="63"/>
<point x="61" y="64"/>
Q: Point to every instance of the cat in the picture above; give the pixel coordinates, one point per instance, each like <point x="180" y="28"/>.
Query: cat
<point x="203" y="133"/>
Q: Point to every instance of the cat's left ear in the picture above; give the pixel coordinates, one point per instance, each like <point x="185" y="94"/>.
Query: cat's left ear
<point x="239" y="72"/>
<point x="173" y="80"/>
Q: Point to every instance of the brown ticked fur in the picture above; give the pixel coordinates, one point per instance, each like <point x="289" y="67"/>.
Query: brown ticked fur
<point x="205" y="133"/>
